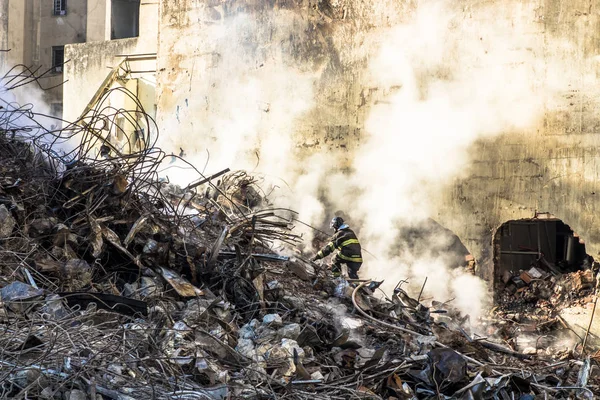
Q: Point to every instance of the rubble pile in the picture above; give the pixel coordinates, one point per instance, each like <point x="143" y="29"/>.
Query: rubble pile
<point x="530" y="305"/>
<point x="116" y="285"/>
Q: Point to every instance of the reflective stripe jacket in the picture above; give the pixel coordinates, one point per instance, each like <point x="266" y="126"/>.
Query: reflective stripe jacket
<point x="346" y="242"/>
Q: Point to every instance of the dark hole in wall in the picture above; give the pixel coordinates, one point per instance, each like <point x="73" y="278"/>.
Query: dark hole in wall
<point x="549" y="245"/>
<point x="125" y="19"/>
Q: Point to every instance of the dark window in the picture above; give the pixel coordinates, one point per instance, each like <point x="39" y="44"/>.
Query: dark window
<point x="125" y="19"/>
<point x="60" y="7"/>
<point x="58" y="58"/>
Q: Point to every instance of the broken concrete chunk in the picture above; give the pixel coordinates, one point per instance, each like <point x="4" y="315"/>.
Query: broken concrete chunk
<point x="353" y="327"/>
<point x="19" y="291"/>
<point x="130" y="290"/>
<point x="47" y="393"/>
<point x="248" y="331"/>
<point x="291" y="346"/>
<point x="54" y="307"/>
<point x="205" y="365"/>
<point x="272" y="320"/>
<point x="265" y="334"/>
<point x="195" y="311"/>
<point x="262" y="350"/>
<point x="290" y="331"/>
<point x="149" y="288"/>
<point x="301" y="269"/>
<point x="76" y="394"/>
<point x="7" y="222"/>
<point x="317" y="375"/>
<point x="426" y="340"/>
<point x="41" y="227"/>
<point x="245" y="347"/>
<point x="279" y="357"/>
<point x="294" y="302"/>
<point x="77" y="272"/>
<point x="27" y="377"/>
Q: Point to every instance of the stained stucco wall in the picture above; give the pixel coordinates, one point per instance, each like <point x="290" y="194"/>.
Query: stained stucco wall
<point x="15" y="40"/>
<point x="551" y="166"/>
<point x="50" y="30"/>
<point x="92" y="61"/>
<point x="98" y="20"/>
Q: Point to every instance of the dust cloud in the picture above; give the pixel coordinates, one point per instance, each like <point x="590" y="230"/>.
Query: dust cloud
<point x="447" y="75"/>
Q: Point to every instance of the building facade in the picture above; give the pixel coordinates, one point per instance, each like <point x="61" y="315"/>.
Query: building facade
<point x="38" y="31"/>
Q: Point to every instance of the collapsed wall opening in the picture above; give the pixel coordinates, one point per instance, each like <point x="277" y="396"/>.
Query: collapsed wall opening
<point x="526" y="250"/>
<point x="125" y="19"/>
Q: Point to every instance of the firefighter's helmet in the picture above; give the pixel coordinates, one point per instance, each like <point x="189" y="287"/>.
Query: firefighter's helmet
<point x="336" y="222"/>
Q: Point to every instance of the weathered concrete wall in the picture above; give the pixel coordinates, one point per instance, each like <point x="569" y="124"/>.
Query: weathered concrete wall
<point x="33" y="30"/>
<point x="548" y="167"/>
<point x="95" y="61"/>
<point x="197" y="57"/>
<point x="55" y="30"/>
<point x="92" y="62"/>
<point x="13" y="41"/>
<point x="98" y="20"/>
<point x="148" y="37"/>
<point x="553" y="167"/>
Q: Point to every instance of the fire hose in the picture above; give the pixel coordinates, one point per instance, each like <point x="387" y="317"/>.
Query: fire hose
<point x="360" y="310"/>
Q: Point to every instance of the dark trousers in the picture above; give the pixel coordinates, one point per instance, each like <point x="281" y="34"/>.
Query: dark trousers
<point x="353" y="267"/>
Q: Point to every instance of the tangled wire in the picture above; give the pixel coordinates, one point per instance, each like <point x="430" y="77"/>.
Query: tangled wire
<point x="78" y="188"/>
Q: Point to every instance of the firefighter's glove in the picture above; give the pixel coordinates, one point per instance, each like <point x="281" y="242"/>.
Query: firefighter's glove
<point x="315" y="258"/>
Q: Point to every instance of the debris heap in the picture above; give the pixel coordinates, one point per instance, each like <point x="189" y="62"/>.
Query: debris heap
<point x="116" y="285"/>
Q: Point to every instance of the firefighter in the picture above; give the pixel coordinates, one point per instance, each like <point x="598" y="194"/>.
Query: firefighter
<point x="346" y="243"/>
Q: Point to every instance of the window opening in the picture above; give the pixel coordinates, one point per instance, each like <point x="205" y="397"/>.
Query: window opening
<point x="125" y="19"/>
<point x="58" y="58"/>
<point x="60" y="7"/>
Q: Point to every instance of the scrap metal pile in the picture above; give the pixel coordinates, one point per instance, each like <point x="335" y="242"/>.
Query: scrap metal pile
<point x="116" y="285"/>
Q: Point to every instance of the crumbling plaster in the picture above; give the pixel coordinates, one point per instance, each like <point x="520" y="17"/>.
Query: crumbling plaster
<point x="92" y="62"/>
<point x="551" y="167"/>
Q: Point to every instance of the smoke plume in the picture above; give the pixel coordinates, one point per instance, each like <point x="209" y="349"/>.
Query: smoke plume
<point x="444" y="76"/>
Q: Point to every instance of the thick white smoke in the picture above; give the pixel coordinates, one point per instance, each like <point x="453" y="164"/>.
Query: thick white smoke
<point x="444" y="77"/>
<point x="256" y="95"/>
<point x="456" y="80"/>
<point x="453" y="77"/>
